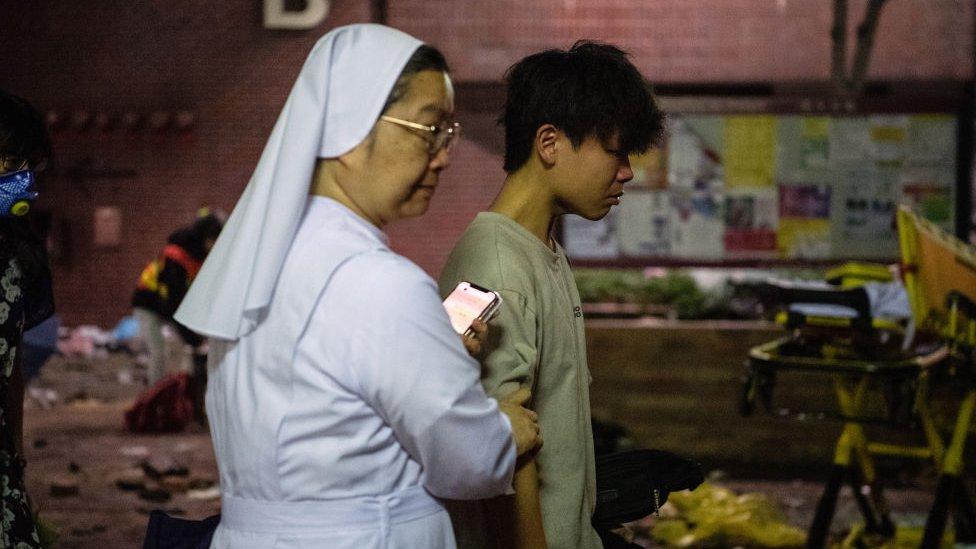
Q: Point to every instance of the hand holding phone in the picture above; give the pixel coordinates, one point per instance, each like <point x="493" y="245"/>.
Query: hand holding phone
<point x="469" y="301"/>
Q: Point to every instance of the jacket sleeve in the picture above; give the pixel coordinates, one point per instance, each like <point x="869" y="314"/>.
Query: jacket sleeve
<point x="173" y="285"/>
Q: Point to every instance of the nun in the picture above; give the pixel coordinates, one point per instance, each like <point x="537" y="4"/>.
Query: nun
<point x="343" y="407"/>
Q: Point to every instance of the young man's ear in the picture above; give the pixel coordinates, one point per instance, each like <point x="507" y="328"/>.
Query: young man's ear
<point x="546" y="140"/>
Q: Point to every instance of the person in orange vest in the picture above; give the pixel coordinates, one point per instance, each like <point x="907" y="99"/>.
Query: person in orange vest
<point x="162" y="286"/>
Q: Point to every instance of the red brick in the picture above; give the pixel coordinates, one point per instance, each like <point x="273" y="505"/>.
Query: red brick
<point x="215" y="59"/>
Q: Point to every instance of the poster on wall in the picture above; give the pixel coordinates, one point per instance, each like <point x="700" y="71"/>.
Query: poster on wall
<point x="850" y="142"/>
<point x="803" y="150"/>
<point x="931" y="140"/>
<point x="888" y="139"/>
<point x="697" y="225"/>
<point x="750" y="223"/>
<point x="863" y="219"/>
<point x="107" y="231"/>
<point x="750" y="151"/>
<point x="929" y="191"/>
<point x="695" y="153"/>
<point x="650" y="170"/>
<point x="585" y="239"/>
<point x="804" y="221"/>
<point x="789" y="187"/>
<point x="643" y="224"/>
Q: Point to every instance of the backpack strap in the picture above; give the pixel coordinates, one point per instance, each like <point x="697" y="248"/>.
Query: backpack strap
<point x="184" y="259"/>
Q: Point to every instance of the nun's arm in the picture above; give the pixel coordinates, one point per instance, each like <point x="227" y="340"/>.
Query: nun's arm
<point x="412" y="368"/>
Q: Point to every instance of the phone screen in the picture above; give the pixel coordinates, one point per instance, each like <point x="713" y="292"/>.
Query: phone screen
<point x="466" y="303"/>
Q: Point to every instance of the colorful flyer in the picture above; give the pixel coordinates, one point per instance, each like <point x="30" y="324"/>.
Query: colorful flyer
<point x="585" y="239"/>
<point x="750" y="223"/>
<point x="643" y="224"/>
<point x="850" y="142"/>
<point x="697" y="226"/>
<point x="815" y="148"/>
<point x="695" y="152"/>
<point x="929" y="191"/>
<point x="650" y="170"/>
<point x="888" y="139"/>
<point x="932" y="140"/>
<point x="863" y="216"/>
<point x="804" y="221"/>
<point x="750" y="151"/>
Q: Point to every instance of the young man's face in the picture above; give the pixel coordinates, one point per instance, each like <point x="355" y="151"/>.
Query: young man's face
<point x="591" y="178"/>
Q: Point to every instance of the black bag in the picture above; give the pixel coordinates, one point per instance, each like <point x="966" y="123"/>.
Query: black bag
<point x="166" y="532"/>
<point x="633" y="484"/>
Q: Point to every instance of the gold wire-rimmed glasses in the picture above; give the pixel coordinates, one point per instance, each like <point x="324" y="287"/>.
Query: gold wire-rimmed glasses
<point x="440" y="137"/>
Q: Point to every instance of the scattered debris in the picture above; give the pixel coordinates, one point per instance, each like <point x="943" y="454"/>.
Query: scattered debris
<point x="130" y="480"/>
<point x="204" y="494"/>
<point x="134" y="451"/>
<point x="81" y="399"/>
<point x="200" y="483"/>
<point x="184" y="447"/>
<point x="45" y="398"/>
<point x="84" y="342"/>
<point x="64" y="486"/>
<point x="85" y="531"/>
<point x="712" y="514"/>
<point x="175" y="483"/>
<point x="157" y="468"/>
<point x="155" y="495"/>
<point x="124" y="377"/>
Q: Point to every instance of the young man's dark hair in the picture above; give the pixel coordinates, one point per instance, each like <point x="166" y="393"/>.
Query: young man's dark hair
<point x="591" y="90"/>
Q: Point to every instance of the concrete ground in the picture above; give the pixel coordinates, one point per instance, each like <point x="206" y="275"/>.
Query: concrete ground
<point x="79" y="454"/>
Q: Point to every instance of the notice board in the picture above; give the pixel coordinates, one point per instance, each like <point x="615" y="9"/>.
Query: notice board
<point x="779" y="181"/>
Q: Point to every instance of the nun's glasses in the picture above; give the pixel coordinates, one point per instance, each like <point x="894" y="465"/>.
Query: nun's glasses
<point x="437" y="137"/>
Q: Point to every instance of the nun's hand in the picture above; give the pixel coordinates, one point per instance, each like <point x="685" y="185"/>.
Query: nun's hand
<point x="474" y="342"/>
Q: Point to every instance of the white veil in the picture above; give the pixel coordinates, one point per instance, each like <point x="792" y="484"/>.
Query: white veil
<point x="332" y="107"/>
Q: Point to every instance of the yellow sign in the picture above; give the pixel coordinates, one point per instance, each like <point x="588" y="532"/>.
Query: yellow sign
<point x="750" y="151"/>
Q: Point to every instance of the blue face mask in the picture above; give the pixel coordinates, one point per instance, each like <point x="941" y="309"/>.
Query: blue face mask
<point x="16" y="193"/>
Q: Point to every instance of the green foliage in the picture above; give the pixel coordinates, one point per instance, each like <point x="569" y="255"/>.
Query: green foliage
<point x="675" y="289"/>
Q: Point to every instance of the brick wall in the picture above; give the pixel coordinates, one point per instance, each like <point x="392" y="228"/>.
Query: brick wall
<point x="677" y="387"/>
<point x="215" y="60"/>
<point x="697" y="40"/>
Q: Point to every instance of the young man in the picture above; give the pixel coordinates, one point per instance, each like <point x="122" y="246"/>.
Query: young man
<point x="571" y="120"/>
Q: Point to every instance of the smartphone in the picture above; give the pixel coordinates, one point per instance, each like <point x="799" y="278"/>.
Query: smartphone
<point x="469" y="301"/>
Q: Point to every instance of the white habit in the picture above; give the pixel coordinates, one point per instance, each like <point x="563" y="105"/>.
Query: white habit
<point x="341" y="439"/>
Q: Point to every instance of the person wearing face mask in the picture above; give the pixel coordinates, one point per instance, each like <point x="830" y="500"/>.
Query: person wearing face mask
<point x="25" y="301"/>
<point x="342" y="404"/>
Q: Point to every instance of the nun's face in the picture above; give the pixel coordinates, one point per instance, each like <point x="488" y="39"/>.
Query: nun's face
<point x="399" y="173"/>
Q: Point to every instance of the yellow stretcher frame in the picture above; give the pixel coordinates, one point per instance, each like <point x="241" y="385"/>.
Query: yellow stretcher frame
<point x="935" y="265"/>
<point x="937" y="269"/>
